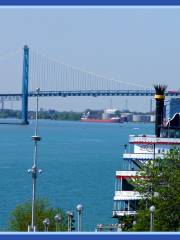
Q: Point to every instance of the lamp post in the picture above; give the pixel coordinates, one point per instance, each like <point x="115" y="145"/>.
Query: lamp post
<point x="34" y="170"/>
<point x="79" y="210"/>
<point x="111" y="227"/>
<point x="125" y="148"/>
<point x="152" y="210"/>
<point x="57" y="219"/>
<point x="100" y="227"/>
<point x="70" y="216"/>
<point x="46" y="223"/>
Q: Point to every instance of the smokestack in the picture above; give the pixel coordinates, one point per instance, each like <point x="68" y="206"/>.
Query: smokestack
<point x="159" y="96"/>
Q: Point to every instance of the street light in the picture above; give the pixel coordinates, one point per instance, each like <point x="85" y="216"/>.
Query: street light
<point x="111" y="227"/>
<point x="100" y="227"/>
<point x="70" y="219"/>
<point x="57" y="219"/>
<point x="125" y="148"/>
<point x="152" y="210"/>
<point x="79" y="210"/>
<point x="34" y="170"/>
<point x="46" y="223"/>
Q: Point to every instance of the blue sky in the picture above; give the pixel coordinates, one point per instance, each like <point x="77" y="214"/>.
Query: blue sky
<point x="132" y="44"/>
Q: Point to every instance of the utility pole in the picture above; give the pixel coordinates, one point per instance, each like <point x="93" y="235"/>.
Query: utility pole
<point x="34" y="170"/>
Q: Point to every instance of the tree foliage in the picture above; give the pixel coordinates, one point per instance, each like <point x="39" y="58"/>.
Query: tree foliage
<point x="20" y="217"/>
<point x="160" y="186"/>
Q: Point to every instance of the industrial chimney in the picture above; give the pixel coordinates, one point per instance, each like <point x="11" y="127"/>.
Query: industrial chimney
<point x="159" y="96"/>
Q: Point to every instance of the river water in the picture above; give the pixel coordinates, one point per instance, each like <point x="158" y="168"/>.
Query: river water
<point x="78" y="160"/>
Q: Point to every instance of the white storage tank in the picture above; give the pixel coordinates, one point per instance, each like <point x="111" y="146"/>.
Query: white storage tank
<point x="136" y="118"/>
<point x="127" y="116"/>
<point x="141" y="118"/>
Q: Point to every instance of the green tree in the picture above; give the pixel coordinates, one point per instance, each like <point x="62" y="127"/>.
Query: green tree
<point x="126" y="222"/>
<point x="160" y="186"/>
<point x="20" y="217"/>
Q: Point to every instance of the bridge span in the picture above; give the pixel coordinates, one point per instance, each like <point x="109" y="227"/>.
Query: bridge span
<point x="56" y="79"/>
<point x="81" y="93"/>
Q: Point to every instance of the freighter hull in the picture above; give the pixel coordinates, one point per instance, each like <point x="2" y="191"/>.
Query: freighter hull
<point x="102" y="120"/>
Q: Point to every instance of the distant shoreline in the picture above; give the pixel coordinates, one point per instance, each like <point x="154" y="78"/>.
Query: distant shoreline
<point x="51" y="115"/>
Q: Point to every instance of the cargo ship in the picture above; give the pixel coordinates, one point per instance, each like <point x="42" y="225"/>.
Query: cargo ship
<point x="108" y="116"/>
<point x="144" y="148"/>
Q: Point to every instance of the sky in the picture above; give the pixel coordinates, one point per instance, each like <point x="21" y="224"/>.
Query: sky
<point x="138" y="45"/>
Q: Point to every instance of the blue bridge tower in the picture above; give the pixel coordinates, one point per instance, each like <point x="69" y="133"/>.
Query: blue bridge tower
<point x="25" y="80"/>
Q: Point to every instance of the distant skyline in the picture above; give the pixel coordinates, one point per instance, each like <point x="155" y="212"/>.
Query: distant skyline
<point x="139" y="45"/>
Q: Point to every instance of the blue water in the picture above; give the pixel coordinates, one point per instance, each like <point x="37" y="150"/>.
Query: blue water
<point x="78" y="160"/>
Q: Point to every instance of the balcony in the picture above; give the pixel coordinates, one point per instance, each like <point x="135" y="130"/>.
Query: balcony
<point x="126" y="173"/>
<point x="127" y="195"/>
<point x="151" y="139"/>
<point x="142" y="156"/>
<point x="117" y="213"/>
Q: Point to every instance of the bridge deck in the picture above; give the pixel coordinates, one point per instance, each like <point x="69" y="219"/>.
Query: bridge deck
<point x="94" y="93"/>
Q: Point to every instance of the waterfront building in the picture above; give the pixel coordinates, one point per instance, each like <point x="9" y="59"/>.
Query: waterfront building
<point x="145" y="148"/>
<point x="172" y="106"/>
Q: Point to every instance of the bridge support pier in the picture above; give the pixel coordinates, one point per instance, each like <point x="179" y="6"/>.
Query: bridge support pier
<point x="25" y="80"/>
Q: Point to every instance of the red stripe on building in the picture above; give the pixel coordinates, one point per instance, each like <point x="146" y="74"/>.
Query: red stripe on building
<point x="170" y="143"/>
<point x="124" y="177"/>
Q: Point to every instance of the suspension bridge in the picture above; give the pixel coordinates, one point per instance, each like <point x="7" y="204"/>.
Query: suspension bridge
<point x="55" y="78"/>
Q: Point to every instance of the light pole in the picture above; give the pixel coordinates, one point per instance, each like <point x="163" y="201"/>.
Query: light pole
<point x="111" y="226"/>
<point x="125" y="148"/>
<point x="152" y="210"/>
<point x="57" y="219"/>
<point x="79" y="210"/>
<point x="46" y="223"/>
<point x="100" y="227"/>
<point x="70" y="216"/>
<point x="34" y="170"/>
